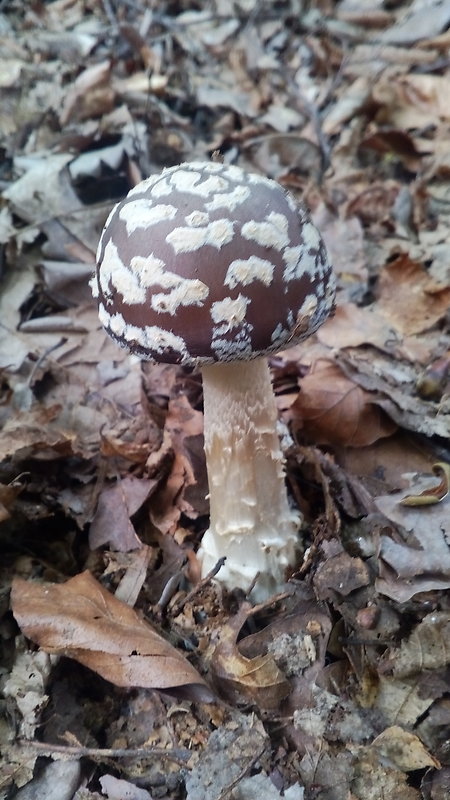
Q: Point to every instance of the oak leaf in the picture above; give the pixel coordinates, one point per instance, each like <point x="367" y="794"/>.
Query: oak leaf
<point x="257" y="679"/>
<point x="334" y="410"/>
<point x="82" y="620"/>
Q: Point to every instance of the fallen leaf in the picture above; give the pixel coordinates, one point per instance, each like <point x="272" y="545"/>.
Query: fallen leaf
<point x="116" y="504"/>
<point x="82" y="620"/>
<point x="427" y="648"/>
<point x="408" y="298"/>
<point x="331" y="409"/>
<point x="344" y="239"/>
<point x="433" y="494"/>
<point x="418" y="560"/>
<point x="340" y="575"/>
<point x="257" y="679"/>
<point x="423" y="22"/>
<point x="352" y="326"/>
<point x="403" y="749"/>
<point x="411" y="101"/>
<point x="401" y="701"/>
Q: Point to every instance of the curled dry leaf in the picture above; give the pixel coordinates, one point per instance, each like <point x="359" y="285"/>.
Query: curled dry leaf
<point x="257" y="679"/>
<point x="433" y="494"/>
<point x="82" y="620"/>
<point x="410" y="300"/>
<point x="403" y="749"/>
<point x="334" y="410"/>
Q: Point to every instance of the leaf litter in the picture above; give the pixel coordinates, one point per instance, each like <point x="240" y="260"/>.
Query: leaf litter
<point x="112" y="650"/>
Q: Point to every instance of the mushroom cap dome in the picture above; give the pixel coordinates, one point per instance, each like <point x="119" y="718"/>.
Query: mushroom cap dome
<point x="205" y="262"/>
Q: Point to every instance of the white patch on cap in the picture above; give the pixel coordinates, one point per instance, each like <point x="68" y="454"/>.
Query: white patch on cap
<point x="292" y="257"/>
<point x="311" y="236"/>
<point x="262" y="181"/>
<point x="117" y="324"/>
<point x="187" y="240"/>
<point x="299" y="261"/>
<point x="245" y="271"/>
<point x="113" y="272"/>
<point x="234" y="173"/>
<point x="229" y="200"/>
<point x="183" y="180"/>
<point x="309" y="305"/>
<point x="232" y="349"/>
<point x="159" y="340"/>
<point x="196" y="219"/>
<point x="143" y="214"/>
<point x="105" y="231"/>
<point x="93" y="285"/>
<point x="293" y="205"/>
<point x="145" y="185"/>
<point x="149" y="271"/>
<point x="280" y="334"/>
<point x="273" y="232"/>
<point x="161" y="188"/>
<point x="103" y="315"/>
<point x="232" y="312"/>
<point x="187" y="293"/>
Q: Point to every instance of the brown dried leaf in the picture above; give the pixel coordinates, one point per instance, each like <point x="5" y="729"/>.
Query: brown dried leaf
<point x="410" y="300"/>
<point x="256" y="679"/>
<point x="403" y="749"/>
<point x="334" y="410"/>
<point x="340" y="575"/>
<point x="36" y="433"/>
<point x="427" y="648"/>
<point x="374" y="779"/>
<point x="352" y="326"/>
<point x="81" y="620"/>
<point x="415" y="100"/>
<point x="116" y="504"/>
<point x="401" y="701"/>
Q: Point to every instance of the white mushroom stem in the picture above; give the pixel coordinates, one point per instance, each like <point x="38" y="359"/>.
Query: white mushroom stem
<point x="251" y="522"/>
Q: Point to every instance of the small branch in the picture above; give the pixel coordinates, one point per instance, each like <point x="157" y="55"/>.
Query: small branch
<point x="199" y="586"/>
<point x="250" y="763"/>
<point x="179" y="756"/>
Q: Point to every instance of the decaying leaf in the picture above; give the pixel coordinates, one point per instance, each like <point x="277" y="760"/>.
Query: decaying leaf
<point x="334" y="410"/>
<point x="256" y="679"/>
<point x="401" y="701"/>
<point x="116" y="505"/>
<point x="419" y="560"/>
<point x="428" y="647"/>
<point x="409" y="298"/>
<point x="403" y="749"/>
<point x="352" y="326"/>
<point x="434" y="494"/>
<point x="82" y="620"/>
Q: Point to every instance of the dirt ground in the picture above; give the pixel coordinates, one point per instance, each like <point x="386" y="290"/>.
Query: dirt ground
<point x="122" y="674"/>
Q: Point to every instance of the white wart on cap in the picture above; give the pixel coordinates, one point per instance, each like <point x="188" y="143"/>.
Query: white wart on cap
<point x="205" y="262"/>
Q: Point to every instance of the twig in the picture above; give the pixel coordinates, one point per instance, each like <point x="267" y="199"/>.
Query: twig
<point x="226" y="791"/>
<point x="181" y="603"/>
<point x="178" y="755"/>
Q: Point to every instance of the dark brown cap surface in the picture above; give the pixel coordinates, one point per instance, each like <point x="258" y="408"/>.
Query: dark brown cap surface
<point x="205" y="262"/>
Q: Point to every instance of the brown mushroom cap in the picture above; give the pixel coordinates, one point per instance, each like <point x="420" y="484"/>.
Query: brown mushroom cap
<point x="205" y="262"/>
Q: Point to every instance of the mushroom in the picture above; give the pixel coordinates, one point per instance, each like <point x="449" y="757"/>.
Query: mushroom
<point x="210" y="266"/>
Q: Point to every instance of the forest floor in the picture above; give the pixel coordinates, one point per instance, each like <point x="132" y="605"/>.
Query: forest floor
<point x="338" y="688"/>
